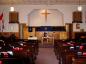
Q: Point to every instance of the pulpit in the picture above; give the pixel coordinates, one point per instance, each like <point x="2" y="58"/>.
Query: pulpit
<point x="47" y="40"/>
<point x="32" y="38"/>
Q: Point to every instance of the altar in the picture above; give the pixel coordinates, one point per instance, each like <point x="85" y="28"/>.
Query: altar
<point x="47" y="40"/>
<point x="32" y="38"/>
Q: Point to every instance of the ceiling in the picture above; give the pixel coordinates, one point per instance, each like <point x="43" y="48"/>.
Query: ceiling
<point x="42" y="2"/>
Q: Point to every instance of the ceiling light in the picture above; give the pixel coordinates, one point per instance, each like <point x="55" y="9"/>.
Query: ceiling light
<point x="12" y="3"/>
<point x="79" y="8"/>
<point x="11" y="9"/>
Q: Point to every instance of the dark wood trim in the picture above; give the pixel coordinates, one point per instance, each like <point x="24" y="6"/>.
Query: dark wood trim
<point x="13" y="17"/>
<point x="7" y="34"/>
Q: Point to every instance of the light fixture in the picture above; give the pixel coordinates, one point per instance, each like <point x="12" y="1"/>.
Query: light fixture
<point x="11" y="9"/>
<point x="79" y="7"/>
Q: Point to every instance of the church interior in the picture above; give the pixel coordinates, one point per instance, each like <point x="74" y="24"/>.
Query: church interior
<point x="42" y="31"/>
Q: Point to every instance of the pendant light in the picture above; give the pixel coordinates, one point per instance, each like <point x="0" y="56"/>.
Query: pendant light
<point x="79" y="7"/>
<point x="11" y="8"/>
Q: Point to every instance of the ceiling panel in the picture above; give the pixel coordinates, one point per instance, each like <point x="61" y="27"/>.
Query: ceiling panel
<point x="38" y="2"/>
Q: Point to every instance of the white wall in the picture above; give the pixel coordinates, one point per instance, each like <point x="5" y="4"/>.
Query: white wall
<point x="24" y="10"/>
<point x="54" y="18"/>
<point x="81" y="25"/>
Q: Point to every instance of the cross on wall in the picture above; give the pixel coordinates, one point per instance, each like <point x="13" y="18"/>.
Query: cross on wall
<point x="46" y="13"/>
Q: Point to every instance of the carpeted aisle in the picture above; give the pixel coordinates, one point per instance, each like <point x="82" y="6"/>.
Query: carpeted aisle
<point x="46" y="56"/>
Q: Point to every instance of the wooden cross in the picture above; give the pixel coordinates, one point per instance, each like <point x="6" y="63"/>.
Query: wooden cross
<point x="46" y="14"/>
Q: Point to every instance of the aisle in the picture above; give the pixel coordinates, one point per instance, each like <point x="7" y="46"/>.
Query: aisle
<point x="46" y="56"/>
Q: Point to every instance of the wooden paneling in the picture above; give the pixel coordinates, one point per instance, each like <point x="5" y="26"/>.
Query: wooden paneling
<point x="7" y="34"/>
<point x="56" y="35"/>
<point x="77" y="17"/>
<point x="63" y="35"/>
<point x="25" y="32"/>
<point x="70" y="31"/>
<point x="80" y="35"/>
<point x="13" y="17"/>
<point x="39" y="35"/>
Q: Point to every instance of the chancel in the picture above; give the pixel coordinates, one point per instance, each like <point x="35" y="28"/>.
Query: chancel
<point x="43" y="32"/>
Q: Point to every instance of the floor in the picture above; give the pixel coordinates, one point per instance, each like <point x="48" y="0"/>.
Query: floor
<point x="46" y="56"/>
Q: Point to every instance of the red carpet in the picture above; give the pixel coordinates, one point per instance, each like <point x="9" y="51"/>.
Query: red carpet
<point x="46" y="56"/>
